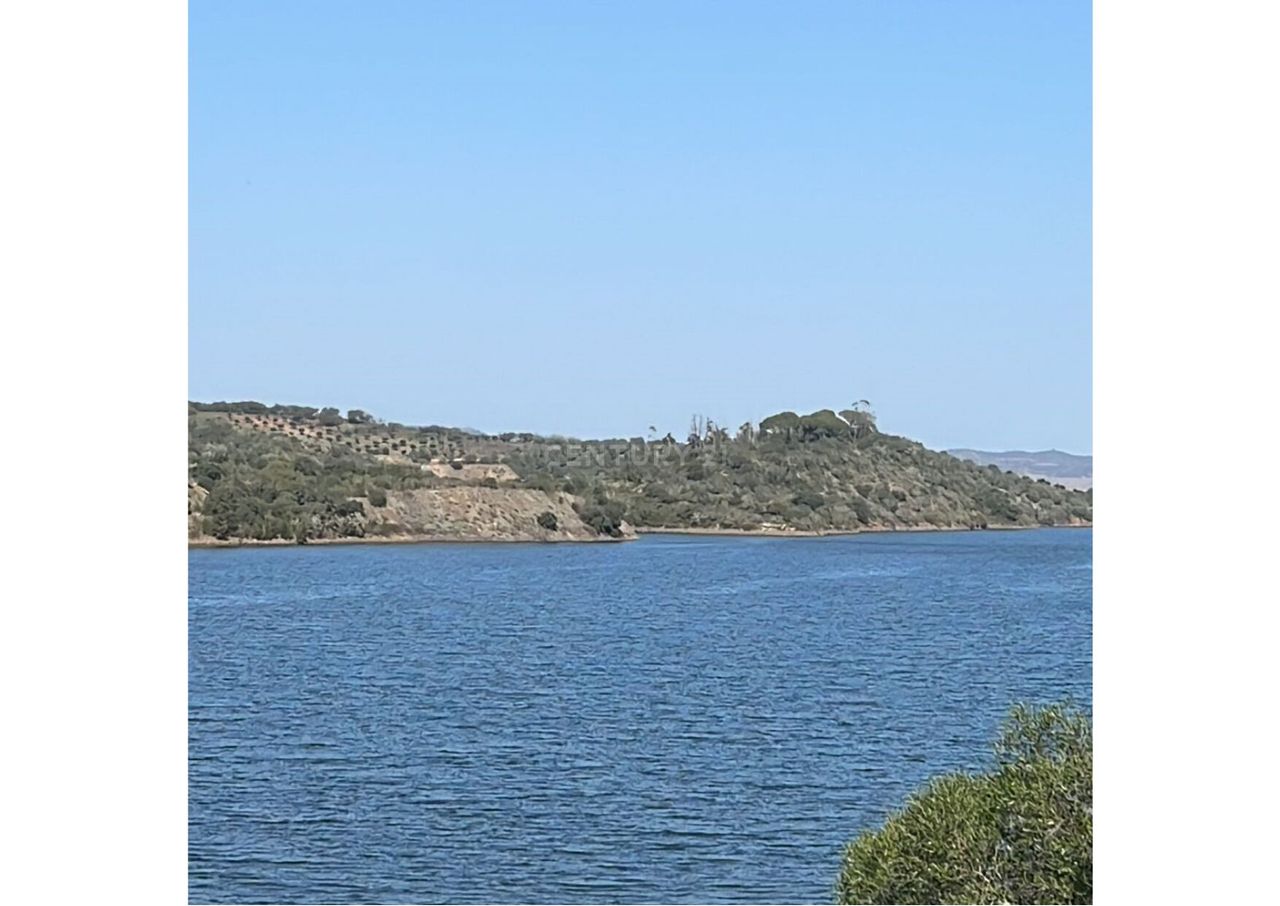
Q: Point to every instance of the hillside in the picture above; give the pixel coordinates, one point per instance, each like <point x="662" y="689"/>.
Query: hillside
<point x="1068" y="469"/>
<point x="304" y="474"/>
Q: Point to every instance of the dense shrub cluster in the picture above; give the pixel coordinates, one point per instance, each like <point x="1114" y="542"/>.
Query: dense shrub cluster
<point x="262" y="485"/>
<point x="1020" y="833"/>
<point x="605" y="516"/>
<point x="802" y="472"/>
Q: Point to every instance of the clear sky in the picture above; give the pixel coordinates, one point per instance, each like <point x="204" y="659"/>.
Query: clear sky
<point x="588" y="218"/>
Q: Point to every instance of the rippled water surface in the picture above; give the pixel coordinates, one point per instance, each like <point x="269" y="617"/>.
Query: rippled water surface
<point x="673" y="719"/>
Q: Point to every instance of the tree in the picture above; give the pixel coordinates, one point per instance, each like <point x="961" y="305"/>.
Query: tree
<point x="351" y="508"/>
<point x="548" y="521"/>
<point x="695" y="431"/>
<point x="820" y="424"/>
<point x="1020" y="833"/>
<point x="781" y="423"/>
<point x="860" y="417"/>
<point x="809" y="500"/>
<point x="605" y="516"/>
<point x="359" y="417"/>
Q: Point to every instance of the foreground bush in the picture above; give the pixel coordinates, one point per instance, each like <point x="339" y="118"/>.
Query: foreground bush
<point x="1021" y="833"/>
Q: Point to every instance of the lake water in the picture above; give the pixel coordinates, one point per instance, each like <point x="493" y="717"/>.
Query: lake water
<point x="673" y="719"/>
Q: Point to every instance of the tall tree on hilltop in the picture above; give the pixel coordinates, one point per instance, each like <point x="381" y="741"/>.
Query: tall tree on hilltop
<point x="861" y="418"/>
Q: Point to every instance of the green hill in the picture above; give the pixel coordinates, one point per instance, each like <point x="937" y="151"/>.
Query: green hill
<point x="294" y="472"/>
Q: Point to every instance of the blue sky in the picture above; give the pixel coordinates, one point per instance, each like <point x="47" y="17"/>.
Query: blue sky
<point x="589" y="218"/>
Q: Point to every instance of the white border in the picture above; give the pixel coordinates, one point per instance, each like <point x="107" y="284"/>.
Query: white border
<point x="1185" y="245"/>
<point x="94" y="219"/>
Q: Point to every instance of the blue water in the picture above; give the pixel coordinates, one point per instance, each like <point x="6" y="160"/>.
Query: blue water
<point x="673" y="719"/>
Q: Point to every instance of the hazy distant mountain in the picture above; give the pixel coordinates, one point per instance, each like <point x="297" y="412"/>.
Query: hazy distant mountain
<point x="1067" y="469"/>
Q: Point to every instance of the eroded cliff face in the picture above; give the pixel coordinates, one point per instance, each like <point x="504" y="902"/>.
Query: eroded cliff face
<point x="461" y="513"/>
<point x="478" y="513"/>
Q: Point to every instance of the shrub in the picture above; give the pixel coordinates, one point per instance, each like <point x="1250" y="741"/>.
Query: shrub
<point x="1020" y="833"/>
<point x="353" y="507"/>
<point x="997" y="504"/>
<point x="809" y="500"/>
<point x="377" y="497"/>
<point x="547" y="520"/>
<point x="780" y="423"/>
<point x="605" y="517"/>
<point x="823" y="423"/>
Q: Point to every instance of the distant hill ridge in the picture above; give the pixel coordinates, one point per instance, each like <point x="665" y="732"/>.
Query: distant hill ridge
<point x="1051" y="464"/>
<point x="298" y="473"/>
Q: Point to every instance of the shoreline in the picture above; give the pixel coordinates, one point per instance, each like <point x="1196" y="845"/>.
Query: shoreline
<point x="827" y="533"/>
<point x="214" y="543"/>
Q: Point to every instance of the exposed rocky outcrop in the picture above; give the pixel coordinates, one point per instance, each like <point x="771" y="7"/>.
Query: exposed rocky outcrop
<point x="478" y="513"/>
